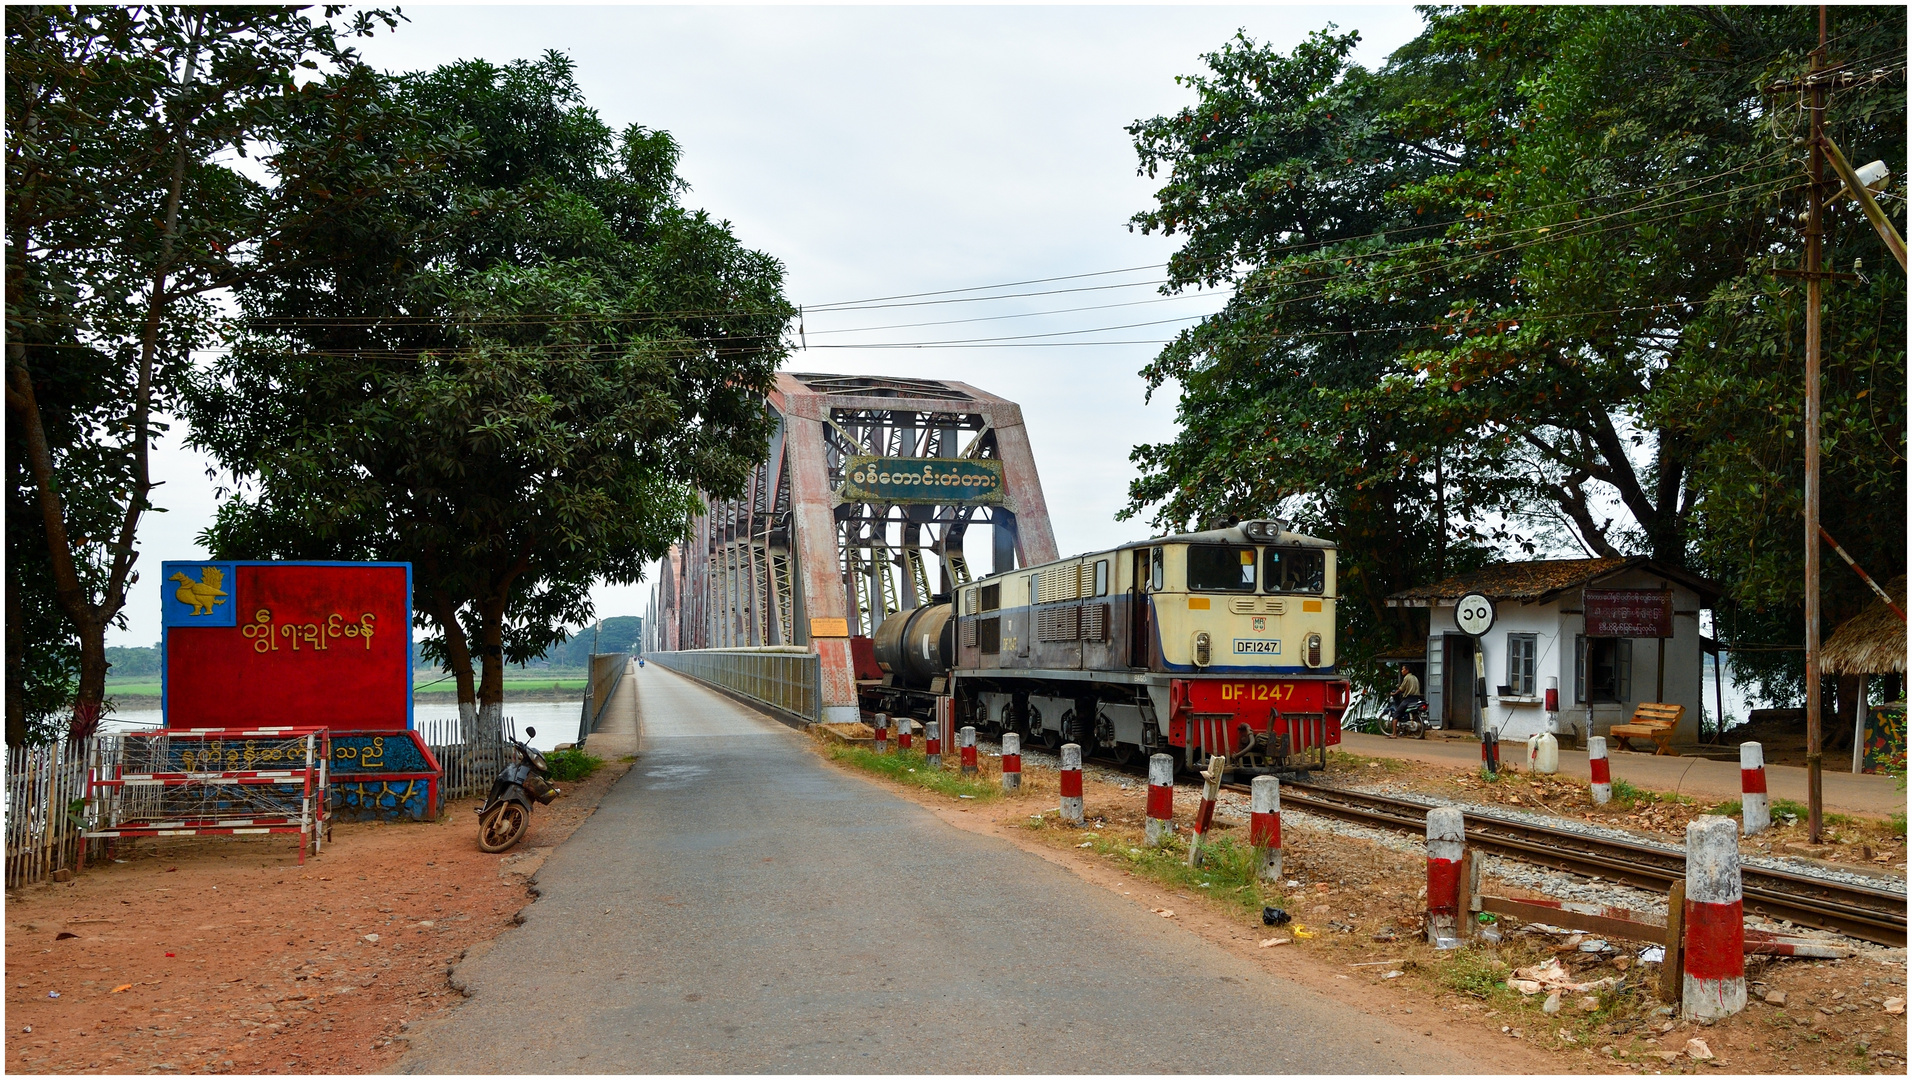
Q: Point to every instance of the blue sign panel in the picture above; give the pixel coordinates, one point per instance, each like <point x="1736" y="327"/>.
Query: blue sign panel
<point x="198" y="594"/>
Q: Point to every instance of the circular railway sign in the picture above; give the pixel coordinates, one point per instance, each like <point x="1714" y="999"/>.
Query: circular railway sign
<point x="1474" y="614"/>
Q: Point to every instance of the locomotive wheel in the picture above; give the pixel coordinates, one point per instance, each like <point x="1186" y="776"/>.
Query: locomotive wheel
<point x="1122" y="753"/>
<point x="1051" y="739"/>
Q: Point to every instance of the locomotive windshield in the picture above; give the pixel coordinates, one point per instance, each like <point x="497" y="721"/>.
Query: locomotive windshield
<point x="1221" y="568"/>
<point x="1293" y="570"/>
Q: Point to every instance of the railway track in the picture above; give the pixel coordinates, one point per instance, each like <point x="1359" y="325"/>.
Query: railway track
<point x="1868" y="914"/>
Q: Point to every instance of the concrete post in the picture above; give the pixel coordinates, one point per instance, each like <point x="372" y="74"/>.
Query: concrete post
<point x="1072" y="783"/>
<point x="1011" y="761"/>
<point x="882" y="726"/>
<point x="966" y="743"/>
<point x="1490" y="752"/>
<point x="903" y="726"/>
<point x="1205" y="816"/>
<point x="1599" y="769"/>
<point x="933" y="743"/>
<point x="1713" y="978"/>
<point x="1755" y="809"/>
<point x="1161" y="805"/>
<point x="1446" y="845"/>
<point x="1264" y="824"/>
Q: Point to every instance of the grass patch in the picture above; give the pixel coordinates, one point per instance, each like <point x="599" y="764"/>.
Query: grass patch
<point x="572" y="764"/>
<point x="1475" y="973"/>
<point x="1630" y="795"/>
<point x="1726" y="809"/>
<point x="1230" y="873"/>
<point x="1896" y="823"/>
<point x="1340" y="760"/>
<point x="913" y="768"/>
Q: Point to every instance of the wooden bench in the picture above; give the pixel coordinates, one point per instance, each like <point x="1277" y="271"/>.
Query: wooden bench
<point x="1651" y="720"/>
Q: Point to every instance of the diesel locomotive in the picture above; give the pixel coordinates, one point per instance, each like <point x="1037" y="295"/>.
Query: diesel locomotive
<point x="1214" y="642"/>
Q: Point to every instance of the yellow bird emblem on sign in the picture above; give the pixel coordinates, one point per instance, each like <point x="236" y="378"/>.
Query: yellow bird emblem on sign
<point x="201" y="594"/>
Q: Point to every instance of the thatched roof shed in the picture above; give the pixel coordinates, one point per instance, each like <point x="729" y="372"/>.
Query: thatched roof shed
<point x="1871" y="642"/>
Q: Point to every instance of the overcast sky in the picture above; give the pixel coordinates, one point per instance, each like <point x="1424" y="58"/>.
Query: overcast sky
<point x="879" y="151"/>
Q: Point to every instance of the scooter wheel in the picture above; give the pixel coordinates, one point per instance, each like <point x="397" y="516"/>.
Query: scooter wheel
<point x="503" y="827"/>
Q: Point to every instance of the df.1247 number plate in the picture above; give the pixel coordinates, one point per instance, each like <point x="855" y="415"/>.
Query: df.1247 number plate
<point x="1257" y="645"/>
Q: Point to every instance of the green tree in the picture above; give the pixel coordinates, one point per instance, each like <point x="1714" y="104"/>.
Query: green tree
<point x="124" y="220"/>
<point x="1551" y="288"/>
<point x="516" y="383"/>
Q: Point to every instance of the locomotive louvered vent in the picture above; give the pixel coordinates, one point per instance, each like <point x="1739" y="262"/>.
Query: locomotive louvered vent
<point x="989" y="635"/>
<point x="1095" y="622"/>
<point x="1057" y="624"/>
<point x="968" y="633"/>
<point x="1058" y="584"/>
<point x="1255" y="605"/>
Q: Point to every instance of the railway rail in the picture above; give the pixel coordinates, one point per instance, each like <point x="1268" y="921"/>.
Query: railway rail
<point x="1874" y="915"/>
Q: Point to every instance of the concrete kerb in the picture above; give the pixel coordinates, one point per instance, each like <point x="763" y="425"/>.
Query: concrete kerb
<point x="1264" y="824"/>
<point x="1011" y="761"/>
<point x="1600" y="770"/>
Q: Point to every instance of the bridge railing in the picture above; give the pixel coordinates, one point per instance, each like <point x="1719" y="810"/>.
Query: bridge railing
<point x="786" y="678"/>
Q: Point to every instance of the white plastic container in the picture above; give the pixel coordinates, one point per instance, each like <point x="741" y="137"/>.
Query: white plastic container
<point x="1543" y="753"/>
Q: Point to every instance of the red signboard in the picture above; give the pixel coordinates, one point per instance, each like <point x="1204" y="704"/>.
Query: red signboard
<point x="302" y="644"/>
<point x="1629" y="613"/>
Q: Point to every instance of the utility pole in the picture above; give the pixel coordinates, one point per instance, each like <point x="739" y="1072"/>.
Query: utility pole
<point x="1815" y="798"/>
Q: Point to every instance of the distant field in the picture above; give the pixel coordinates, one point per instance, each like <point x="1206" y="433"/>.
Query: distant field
<point x="133" y="687"/>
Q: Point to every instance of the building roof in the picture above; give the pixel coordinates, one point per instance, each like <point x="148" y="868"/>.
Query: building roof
<point x="1871" y="642"/>
<point x="1540" y="580"/>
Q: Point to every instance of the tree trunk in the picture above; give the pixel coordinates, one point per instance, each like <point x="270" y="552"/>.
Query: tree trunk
<point x="458" y="659"/>
<point x="491" y="654"/>
<point x="16" y="668"/>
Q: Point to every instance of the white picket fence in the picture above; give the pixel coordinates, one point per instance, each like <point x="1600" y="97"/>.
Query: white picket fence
<point x="48" y="805"/>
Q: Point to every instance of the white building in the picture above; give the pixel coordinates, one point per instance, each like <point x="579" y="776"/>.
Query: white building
<point x="1498" y="682"/>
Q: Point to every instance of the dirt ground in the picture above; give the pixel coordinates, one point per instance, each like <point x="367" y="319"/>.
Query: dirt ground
<point x="1850" y="842"/>
<point x="221" y="955"/>
<point x="1355" y="935"/>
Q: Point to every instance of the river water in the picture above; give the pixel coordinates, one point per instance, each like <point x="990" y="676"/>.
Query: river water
<point x="556" y="721"/>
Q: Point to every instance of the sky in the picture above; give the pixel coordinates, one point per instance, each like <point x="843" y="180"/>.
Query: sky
<point x="884" y="151"/>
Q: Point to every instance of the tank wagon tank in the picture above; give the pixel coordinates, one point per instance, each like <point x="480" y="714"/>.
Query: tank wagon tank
<point x="1215" y="642"/>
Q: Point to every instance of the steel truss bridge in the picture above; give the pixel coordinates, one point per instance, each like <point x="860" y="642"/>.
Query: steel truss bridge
<point x="860" y="510"/>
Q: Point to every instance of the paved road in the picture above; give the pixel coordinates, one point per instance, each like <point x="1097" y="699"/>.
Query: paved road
<point x="737" y="906"/>
<point x="1701" y="778"/>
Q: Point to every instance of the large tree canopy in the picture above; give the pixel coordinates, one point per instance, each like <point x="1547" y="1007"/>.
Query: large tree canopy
<point x="124" y="218"/>
<point x="1516" y="288"/>
<point x="514" y="377"/>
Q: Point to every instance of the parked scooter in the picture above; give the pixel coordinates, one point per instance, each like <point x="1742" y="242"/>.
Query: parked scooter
<point x="506" y="815"/>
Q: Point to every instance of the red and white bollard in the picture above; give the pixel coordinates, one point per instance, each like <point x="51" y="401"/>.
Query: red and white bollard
<point x="1713" y="978"/>
<point x="1490" y="752"/>
<point x="1071" y="783"/>
<point x="1599" y="768"/>
<point x="933" y="744"/>
<point x="1264" y="824"/>
<point x="1446" y="847"/>
<point x="1205" y="815"/>
<point x="1755" y="809"/>
<point x="966" y="744"/>
<point x="1011" y="761"/>
<point x="903" y="726"/>
<point x="1161" y="806"/>
<point x="882" y="725"/>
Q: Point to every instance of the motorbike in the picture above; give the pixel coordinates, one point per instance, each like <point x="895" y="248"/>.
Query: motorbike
<point x="1407" y="718"/>
<point x="506" y="815"/>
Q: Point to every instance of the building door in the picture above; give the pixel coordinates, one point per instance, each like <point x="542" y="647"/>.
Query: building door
<point x="1431" y="687"/>
<point x="1457" y="689"/>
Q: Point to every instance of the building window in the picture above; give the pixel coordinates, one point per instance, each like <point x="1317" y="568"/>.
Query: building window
<point x="1521" y="650"/>
<point x="1610" y="681"/>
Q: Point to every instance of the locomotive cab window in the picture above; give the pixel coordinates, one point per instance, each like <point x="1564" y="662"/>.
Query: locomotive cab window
<point x="1221" y="568"/>
<point x="1294" y="570"/>
<point x="1155" y="569"/>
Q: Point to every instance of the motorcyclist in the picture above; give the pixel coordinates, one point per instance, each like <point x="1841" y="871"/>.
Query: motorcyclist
<point x="1405" y="695"/>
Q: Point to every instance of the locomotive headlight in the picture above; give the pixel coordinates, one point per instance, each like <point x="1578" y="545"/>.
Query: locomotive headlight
<point x="1262" y="532"/>
<point x="1314" y="650"/>
<point x="1202" y="650"/>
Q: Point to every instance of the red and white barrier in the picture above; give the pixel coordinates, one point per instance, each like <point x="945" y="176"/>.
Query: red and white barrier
<point x="966" y="744"/>
<point x="1205" y="815"/>
<point x="1161" y="805"/>
<point x="881" y="723"/>
<point x="1713" y="975"/>
<point x="1011" y="761"/>
<point x="903" y="726"/>
<point x="1599" y="768"/>
<point x="1446" y="846"/>
<point x="1264" y="824"/>
<point x="933" y="743"/>
<point x="1071" y="783"/>
<point x="1755" y="809"/>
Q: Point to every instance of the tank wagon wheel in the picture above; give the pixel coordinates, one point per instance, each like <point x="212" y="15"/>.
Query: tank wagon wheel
<point x="503" y="827"/>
